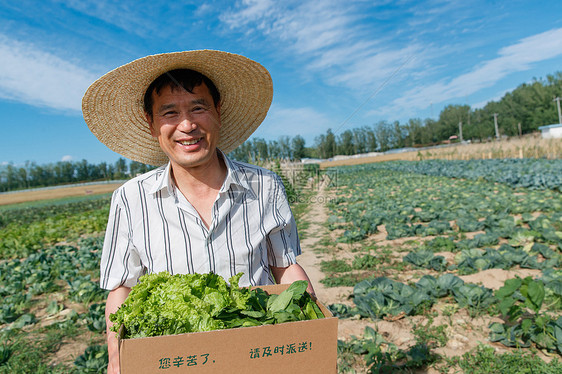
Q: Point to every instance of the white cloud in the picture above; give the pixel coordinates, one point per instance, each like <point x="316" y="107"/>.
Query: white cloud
<point x="378" y="67"/>
<point x="514" y="58"/>
<point x="309" y="26"/>
<point x="132" y="16"/>
<point x="250" y="11"/>
<point x="328" y="36"/>
<point x="35" y="77"/>
<point x="67" y="158"/>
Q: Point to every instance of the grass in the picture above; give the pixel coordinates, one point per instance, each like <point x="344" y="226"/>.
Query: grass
<point x="31" y="352"/>
<point x="346" y="280"/>
<point x="484" y="360"/>
<point x="335" y="266"/>
<point x="430" y="335"/>
<point x="300" y="208"/>
<point x="366" y="262"/>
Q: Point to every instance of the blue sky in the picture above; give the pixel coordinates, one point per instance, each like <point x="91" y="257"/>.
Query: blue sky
<point x="334" y="64"/>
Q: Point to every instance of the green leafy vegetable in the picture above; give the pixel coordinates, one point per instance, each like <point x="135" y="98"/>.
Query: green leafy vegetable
<point x="165" y="304"/>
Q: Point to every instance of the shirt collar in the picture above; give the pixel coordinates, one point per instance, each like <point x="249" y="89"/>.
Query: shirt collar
<point x="164" y="180"/>
<point x="235" y="176"/>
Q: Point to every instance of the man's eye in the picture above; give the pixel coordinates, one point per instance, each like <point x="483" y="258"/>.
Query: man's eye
<point x="170" y="113"/>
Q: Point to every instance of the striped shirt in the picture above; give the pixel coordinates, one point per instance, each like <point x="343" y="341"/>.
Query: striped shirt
<point x="152" y="227"/>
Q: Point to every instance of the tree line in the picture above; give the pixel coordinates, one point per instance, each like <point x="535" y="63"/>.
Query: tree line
<point x="32" y="175"/>
<point x="519" y="112"/>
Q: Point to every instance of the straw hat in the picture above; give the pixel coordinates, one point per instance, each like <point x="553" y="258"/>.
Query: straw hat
<point x="113" y="105"/>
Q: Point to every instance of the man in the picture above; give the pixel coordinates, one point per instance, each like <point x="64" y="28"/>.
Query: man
<point x="200" y="211"/>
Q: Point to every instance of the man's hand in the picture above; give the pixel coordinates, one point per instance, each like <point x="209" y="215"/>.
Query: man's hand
<point x="290" y="274"/>
<point x="114" y="301"/>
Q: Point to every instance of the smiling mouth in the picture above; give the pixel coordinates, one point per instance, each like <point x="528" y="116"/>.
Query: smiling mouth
<point x="189" y="142"/>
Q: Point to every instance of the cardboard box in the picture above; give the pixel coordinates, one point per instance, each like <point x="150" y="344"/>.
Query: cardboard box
<point x="292" y="347"/>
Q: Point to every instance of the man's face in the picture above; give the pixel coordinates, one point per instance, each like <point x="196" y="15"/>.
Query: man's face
<point x="186" y="125"/>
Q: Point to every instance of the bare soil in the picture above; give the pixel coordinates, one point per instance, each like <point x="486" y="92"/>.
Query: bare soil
<point x="56" y="193"/>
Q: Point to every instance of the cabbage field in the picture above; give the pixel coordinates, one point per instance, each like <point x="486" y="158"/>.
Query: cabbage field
<point x="52" y="313"/>
<point x="432" y="266"/>
<point x="417" y="244"/>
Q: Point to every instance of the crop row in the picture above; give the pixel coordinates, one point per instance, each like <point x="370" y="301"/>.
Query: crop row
<point x="410" y="204"/>
<point x="487" y="220"/>
<point x="529" y="173"/>
<point x="49" y="297"/>
<point x="25" y="231"/>
<point x="380" y="297"/>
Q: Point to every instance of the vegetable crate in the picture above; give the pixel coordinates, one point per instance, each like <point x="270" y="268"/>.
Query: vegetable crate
<point x="303" y="346"/>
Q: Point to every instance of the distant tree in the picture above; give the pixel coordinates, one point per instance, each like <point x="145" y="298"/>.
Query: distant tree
<point x="371" y="144"/>
<point x="22" y="177"/>
<point x="137" y="168"/>
<point x="94" y="172"/>
<point x="274" y="150"/>
<point x="449" y="118"/>
<point x="484" y="125"/>
<point x="429" y="132"/>
<point x="259" y="147"/>
<point x="120" y="171"/>
<point x="326" y="145"/>
<point x="414" y="130"/>
<point x="398" y="135"/>
<point x="384" y="135"/>
<point x="330" y="144"/>
<point x="242" y="153"/>
<point x="64" y="172"/>
<point x="285" y="150"/>
<point x="298" y="147"/>
<point x="104" y="171"/>
<point x="11" y="176"/>
<point x="82" y="170"/>
<point x="359" y="140"/>
<point x="345" y="143"/>
<point x="320" y="146"/>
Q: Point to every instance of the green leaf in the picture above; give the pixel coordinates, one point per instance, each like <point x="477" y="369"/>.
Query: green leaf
<point x="298" y="288"/>
<point x="535" y="295"/>
<point x="497" y="332"/>
<point x="558" y="334"/>
<point x="509" y="287"/>
<point x="526" y="325"/>
<point x="280" y="302"/>
<point x="505" y="305"/>
<point x="253" y="313"/>
<point x="309" y="310"/>
<point x="283" y="316"/>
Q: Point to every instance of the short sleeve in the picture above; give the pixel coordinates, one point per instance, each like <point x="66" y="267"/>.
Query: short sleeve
<point x="120" y="264"/>
<point x="282" y="242"/>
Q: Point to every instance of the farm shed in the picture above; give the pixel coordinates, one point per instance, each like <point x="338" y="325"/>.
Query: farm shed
<point x="551" y="131"/>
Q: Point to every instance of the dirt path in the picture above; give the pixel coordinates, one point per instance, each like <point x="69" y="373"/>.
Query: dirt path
<point x="310" y="260"/>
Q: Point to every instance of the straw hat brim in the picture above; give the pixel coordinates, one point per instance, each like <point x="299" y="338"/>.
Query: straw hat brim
<point x="113" y="105"/>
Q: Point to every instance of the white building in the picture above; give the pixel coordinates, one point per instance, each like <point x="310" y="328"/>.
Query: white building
<point x="551" y="131"/>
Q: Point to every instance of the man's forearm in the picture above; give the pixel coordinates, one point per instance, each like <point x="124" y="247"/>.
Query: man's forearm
<point x="290" y="274"/>
<point x="114" y="301"/>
